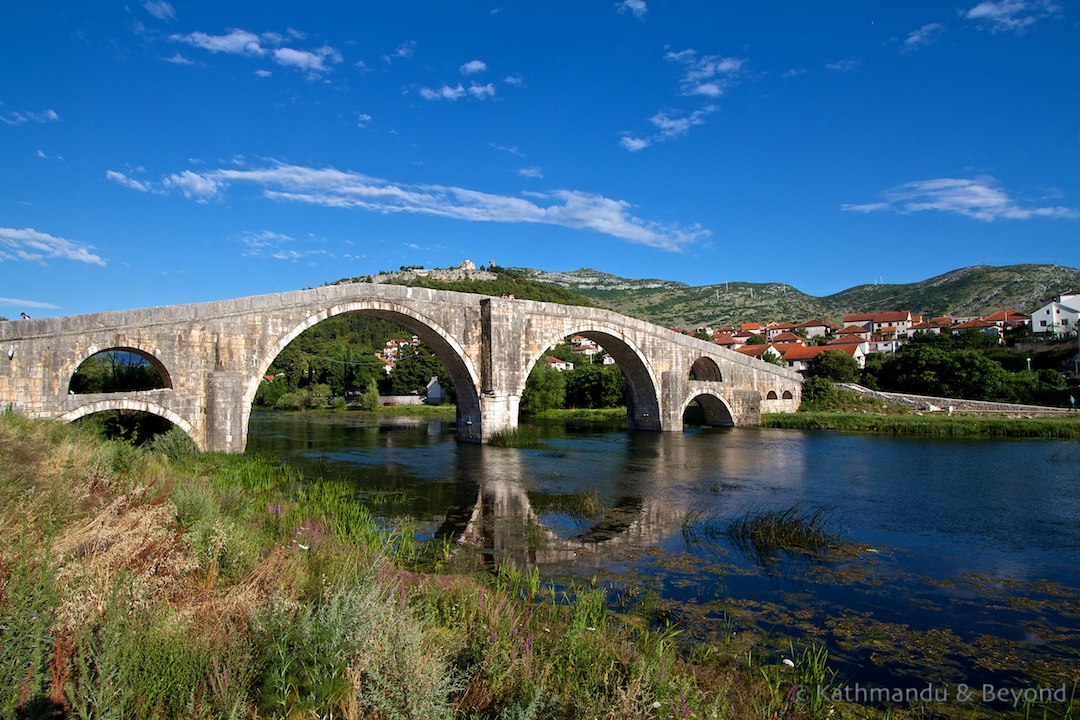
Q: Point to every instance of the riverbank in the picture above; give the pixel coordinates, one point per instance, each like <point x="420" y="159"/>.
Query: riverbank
<point x="159" y="582"/>
<point x="929" y="425"/>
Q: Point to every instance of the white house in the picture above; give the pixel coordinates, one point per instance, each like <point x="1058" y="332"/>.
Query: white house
<point x="1058" y="315"/>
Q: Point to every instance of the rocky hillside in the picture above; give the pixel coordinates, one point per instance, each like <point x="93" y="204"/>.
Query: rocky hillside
<point x="971" y="291"/>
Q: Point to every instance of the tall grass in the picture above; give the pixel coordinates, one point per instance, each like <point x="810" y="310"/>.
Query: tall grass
<point x="218" y="586"/>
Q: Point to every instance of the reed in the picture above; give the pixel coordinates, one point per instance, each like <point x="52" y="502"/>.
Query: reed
<point x="523" y="436"/>
<point x="766" y="532"/>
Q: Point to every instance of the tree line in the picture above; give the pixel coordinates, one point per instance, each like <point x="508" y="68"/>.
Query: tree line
<point x="968" y="365"/>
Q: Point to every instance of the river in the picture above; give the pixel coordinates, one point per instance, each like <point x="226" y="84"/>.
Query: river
<point x="961" y="562"/>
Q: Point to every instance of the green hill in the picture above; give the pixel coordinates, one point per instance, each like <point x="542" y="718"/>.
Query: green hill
<point x="971" y="291"/>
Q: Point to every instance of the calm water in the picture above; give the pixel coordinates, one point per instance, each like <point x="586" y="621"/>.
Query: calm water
<point x="965" y="555"/>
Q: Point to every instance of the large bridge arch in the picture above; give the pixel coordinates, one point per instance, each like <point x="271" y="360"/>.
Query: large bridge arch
<point x="442" y="343"/>
<point x="145" y="406"/>
<point x="642" y="385"/>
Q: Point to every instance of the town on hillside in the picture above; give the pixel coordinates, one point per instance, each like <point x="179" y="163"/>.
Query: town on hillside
<point x="797" y="345"/>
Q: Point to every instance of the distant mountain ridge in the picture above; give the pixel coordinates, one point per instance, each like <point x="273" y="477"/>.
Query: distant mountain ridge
<point x="966" y="292"/>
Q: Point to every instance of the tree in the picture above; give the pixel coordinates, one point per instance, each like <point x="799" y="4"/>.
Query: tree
<point x="836" y="365"/>
<point x="545" y="389"/>
<point x="412" y="372"/>
<point x="756" y="340"/>
<point x="595" y="386"/>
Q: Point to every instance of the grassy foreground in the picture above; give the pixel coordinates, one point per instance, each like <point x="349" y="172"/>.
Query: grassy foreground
<point x="159" y="582"/>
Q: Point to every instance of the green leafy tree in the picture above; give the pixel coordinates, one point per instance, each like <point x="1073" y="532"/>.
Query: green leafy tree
<point x="545" y="389"/>
<point x="836" y="365"/>
<point x="115" y="371"/>
<point x="595" y="386"/>
<point x="757" y="340"/>
<point x="413" y="371"/>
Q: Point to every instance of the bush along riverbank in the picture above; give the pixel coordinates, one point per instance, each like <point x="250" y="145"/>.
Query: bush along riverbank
<point x="826" y="407"/>
<point x="158" y="582"/>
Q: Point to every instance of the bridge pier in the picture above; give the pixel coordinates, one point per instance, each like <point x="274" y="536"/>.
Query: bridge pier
<point x="499" y="413"/>
<point x="226" y="419"/>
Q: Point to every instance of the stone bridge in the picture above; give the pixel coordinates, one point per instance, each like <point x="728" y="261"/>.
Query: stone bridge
<point x="212" y="357"/>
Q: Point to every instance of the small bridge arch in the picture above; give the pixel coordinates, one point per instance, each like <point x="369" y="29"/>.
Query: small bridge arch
<point x="125" y="346"/>
<point x="118" y="403"/>
<point x="714" y="406"/>
<point x="706" y="369"/>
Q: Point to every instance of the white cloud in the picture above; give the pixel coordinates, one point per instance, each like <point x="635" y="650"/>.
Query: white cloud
<point x="404" y="50"/>
<point x="310" y="61"/>
<point x="637" y="7"/>
<point x="242" y="42"/>
<point x="33" y="246"/>
<point x="633" y="144"/>
<point x="512" y="149"/>
<point x="272" y="245"/>
<point x="362" y="119"/>
<point x="18" y="118"/>
<point x="673" y="127"/>
<point x="1011" y="15"/>
<point x="531" y="172"/>
<point x="709" y="75"/>
<point x="843" y="65"/>
<point x="127" y="182"/>
<point x="263" y="73"/>
<point x="473" y="66"/>
<point x="515" y="80"/>
<point x="794" y="72"/>
<point x="28" y="303"/>
<point x="200" y="187"/>
<point x="979" y="198"/>
<point x="178" y="59"/>
<point x="926" y="35"/>
<point x="159" y="9"/>
<point x="236" y="42"/>
<point x="334" y="188"/>
<point x="480" y="92"/>
<point x="444" y="93"/>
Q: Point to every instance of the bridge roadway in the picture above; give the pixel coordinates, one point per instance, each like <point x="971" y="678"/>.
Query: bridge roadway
<point x="212" y="357"/>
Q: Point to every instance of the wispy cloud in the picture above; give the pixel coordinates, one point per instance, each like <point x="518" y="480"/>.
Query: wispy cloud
<point x="267" y="45"/>
<point x="276" y="246"/>
<point x="33" y="246"/>
<point x="843" y="65"/>
<point x="444" y="93"/>
<point x="534" y="173"/>
<point x="328" y="187"/>
<point x="636" y="7"/>
<point x="128" y="182"/>
<point x="404" y="50"/>
<point x="178" y="59"/>
<point x="14" y="302"/>
<point x="708" y="75"/>
<point x="1011" y="15"/>
<point x="455" y="93"/>
<point x="980" y="198"/>
<point x="159" y="9"/>
<point x="704" y="76"/>
<point x="473" y="66"/>
<point x="926" y="35"/>
<point x="18" y="118"/>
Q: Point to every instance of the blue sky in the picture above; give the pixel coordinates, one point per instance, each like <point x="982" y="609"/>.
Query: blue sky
<point x="160" y="152"/>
